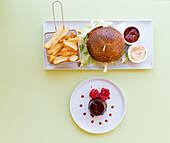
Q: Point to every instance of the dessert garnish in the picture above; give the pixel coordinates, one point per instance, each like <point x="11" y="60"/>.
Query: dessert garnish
<point x="106" y="120"/>
<point x="92" y="121"/>
<point x="104" y="94"/>
<point x="82" y="96"/>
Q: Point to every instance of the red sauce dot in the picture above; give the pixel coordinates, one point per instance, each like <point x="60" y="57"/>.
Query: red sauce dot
<point x="92" y="121"/>
<point x="91" y="86"/>
<point x="106" y="120"/>
<point x="82" y="96"/>
<point x="84" y="114"/>
<point x="100" y="123"/>
<point x="110" y="114"/>
<point x="109" y="97"/>
<point x="112" y="107"/>
<point x="80" y="105"/>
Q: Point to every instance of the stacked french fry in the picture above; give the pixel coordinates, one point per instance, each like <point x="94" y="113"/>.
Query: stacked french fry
<point x="62" y="47"/>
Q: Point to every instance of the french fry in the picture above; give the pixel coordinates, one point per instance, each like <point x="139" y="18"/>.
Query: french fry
<point x="60" y="41"/>
<point x="56" y="51"/>
<point x="64" y="43"/>
<point x="54" y="37"/>
<point x="60" y="59"/>
<point x="78" y="31"/>
<point x="75" y="42"/>
<point x="60" y="37"/>
<point x="51" y="58"/>
<point x="66" y="49"/>
<point x="72" y="35"/>
<point x="53" y="50"/>
<point x="68" y="53"/>
<point x="74" y="39"/>
<point x="71" y="45"/>
<point x="73" y="58"/>
<point x="66" y="37"/>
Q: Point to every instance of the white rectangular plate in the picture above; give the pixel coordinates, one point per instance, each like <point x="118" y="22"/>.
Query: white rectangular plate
<point x="146" y="27"/>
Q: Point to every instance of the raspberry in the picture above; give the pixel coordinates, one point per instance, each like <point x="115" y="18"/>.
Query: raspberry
<point x="103" y="97"/>
<point x="104" y="94"/>
<point x="94" y="93"/>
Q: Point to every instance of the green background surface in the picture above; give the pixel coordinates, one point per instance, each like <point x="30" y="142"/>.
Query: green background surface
<point x="34" y="103"/>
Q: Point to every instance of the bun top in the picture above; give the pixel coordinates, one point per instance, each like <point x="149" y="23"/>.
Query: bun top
<point x="106" y="44"/>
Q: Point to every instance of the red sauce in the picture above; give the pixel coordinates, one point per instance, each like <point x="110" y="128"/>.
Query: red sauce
<point x="100" y="123"/>
<point x="84" y="114"/>
<point x="112" y="107"/>
<point x="110" y="114"/>
<point x="106" y="120"/>
<point x="131" y="34"/>
<point x="81" y="105"/>
<point x="82" y="96"/>
<point x="92" y="121"/>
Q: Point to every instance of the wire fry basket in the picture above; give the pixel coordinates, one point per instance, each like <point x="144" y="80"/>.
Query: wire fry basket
<point x="49" y="34"/>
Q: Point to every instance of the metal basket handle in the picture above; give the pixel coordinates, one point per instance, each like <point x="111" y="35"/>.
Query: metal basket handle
<point x="61" y="13"/>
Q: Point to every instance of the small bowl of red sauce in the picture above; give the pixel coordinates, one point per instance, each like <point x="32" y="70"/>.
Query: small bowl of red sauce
<point x="131" y="35"/>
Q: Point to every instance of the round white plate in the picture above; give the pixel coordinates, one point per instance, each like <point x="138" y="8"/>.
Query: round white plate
<point x="114" y="114"/>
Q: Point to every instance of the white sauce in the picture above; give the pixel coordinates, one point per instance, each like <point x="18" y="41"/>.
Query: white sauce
<point x="137" y="53"/>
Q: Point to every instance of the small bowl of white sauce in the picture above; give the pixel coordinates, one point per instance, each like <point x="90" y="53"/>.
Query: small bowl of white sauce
<point x="137" y="53"/>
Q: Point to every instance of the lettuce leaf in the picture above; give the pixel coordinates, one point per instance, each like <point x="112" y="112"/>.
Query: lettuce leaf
<point x="94" y="62"/>
<point x="85" y="56"/>
<point x="124" y="59"/>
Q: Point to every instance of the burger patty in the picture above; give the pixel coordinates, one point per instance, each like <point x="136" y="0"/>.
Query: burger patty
<point x="106" y="44"/>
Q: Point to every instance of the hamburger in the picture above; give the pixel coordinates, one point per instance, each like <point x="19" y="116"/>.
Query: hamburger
<point x="105" y="44"/>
